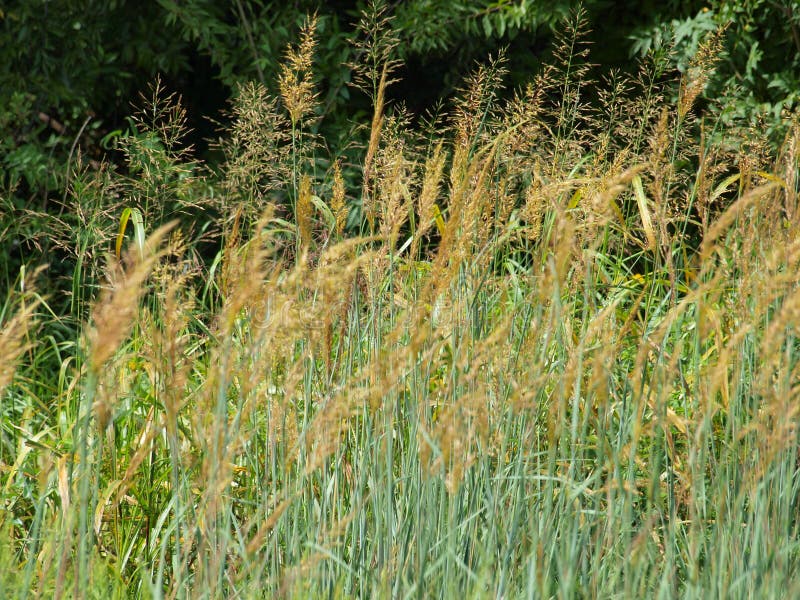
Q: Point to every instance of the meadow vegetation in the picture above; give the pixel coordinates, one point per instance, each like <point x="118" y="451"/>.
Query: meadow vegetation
<point x="530" y="347"/>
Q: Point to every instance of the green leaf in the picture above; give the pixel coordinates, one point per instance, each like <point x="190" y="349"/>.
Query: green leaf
<point x="138" y="229"/>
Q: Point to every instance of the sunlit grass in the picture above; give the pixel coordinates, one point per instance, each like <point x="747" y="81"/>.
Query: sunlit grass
<point x="560" y="360"/>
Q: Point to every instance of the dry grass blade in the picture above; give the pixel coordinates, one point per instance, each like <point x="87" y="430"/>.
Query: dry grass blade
<point x="14" y="340"/>
<point x="338" y="201"/>
<point x="644" y="212"/>
<point x="114" y="314"/>
<point x="721" y="225"/>
<point x="429" y="195"/>
<point x="372" y="149"/>
<point x="304" y="212"/>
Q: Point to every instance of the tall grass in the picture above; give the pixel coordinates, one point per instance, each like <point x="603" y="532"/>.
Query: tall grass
<point x="560" y="359"/>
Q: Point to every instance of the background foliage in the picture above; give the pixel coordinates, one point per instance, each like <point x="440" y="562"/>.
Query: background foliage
<point x="70" y="60"/>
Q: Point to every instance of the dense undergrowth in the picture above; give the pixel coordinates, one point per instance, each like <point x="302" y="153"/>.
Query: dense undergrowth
<point x="531" y="349"/>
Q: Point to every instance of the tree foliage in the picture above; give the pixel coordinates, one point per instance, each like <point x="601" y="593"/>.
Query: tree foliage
<point x="757" y="78"/>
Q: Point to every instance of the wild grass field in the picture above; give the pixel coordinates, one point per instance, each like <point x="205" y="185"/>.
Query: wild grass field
<point x="535" y="347"/>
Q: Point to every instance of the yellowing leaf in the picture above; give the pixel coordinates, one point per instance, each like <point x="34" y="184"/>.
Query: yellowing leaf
<point x="644" y="212"/>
